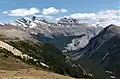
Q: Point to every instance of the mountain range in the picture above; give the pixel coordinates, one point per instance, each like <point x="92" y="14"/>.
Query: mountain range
<point x="62" y="34"/>
<point x="88" y="50"/>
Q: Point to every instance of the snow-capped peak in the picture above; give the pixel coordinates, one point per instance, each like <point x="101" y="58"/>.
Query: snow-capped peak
<point x="30" y="22"/>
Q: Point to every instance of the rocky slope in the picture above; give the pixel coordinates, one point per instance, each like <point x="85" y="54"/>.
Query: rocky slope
<point x="103" y="50"/>
<point x="13" y="68"/>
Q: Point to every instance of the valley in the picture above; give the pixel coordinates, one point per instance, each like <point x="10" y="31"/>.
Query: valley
<point x="45" y="48"/>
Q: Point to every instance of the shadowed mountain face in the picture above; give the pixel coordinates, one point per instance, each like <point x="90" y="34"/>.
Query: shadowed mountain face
<point x="59" y="41"/>
<point x="103" y="49"/>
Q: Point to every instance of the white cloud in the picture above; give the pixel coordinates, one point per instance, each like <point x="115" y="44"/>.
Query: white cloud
<point x="45" y="16"/>
<point x="33" y="11"/>
<point x="5" y="12"/>
<point x="82" y="15"/>
<point x="102" y="15"/>
<point x="64" y="10"/>
<point x="50" y="10"/>
<point x="53" y="10"/>
<point x="22" y="12"/>
<point x="57" y="19"/>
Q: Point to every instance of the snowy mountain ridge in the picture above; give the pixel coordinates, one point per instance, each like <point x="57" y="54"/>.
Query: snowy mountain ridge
<point x="66" y="28"/>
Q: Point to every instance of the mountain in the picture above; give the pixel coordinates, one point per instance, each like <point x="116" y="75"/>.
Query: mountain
<point x="82" y="49"/>
<point x="59" y="34"/>
<point x="33" y="53"/>
<point x="68" y="21"/>
<point x="103" y="50"/>
<point x="34" y="42"/>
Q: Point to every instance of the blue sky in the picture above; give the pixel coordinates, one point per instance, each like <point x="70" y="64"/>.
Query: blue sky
<point x="60" y="7"/>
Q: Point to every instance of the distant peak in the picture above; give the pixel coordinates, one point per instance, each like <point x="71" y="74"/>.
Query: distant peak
<point x="68" y="21"/>
<point x="112" y="25"/>
<point x="112" y="28"/>
<point x="33" y="18"/>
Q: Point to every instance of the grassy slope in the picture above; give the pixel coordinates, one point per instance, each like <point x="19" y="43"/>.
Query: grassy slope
<point x="11" y="67"/>
<point x="9" y="62"/>
<point x="48" y="54"/>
